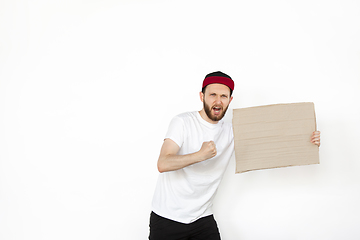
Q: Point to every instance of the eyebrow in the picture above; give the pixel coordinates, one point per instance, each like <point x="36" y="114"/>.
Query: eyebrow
<point x="222" y="94"/>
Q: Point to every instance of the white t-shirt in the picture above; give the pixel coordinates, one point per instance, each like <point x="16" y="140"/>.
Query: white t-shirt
<point x="186" y="195"/>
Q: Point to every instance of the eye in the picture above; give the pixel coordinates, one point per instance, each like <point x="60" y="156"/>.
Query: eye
<point x="224" y="96"/>
<point x="212" y="94"/>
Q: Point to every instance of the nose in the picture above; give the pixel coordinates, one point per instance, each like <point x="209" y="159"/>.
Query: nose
<point x="218" y="100"/>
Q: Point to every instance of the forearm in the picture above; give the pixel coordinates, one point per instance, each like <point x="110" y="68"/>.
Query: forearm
<point x="173" y="162"/>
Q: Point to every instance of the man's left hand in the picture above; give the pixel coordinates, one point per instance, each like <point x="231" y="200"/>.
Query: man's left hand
<point x="315" y="138"/>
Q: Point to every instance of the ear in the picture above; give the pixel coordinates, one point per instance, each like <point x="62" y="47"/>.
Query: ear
<point x="231" y="99"/>
<point x="202" y="96"/>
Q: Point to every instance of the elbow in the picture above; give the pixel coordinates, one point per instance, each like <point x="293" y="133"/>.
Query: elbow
<point x="160" y="166"/>
<point x="164" y="164"/>
<point x="161" y="170"/>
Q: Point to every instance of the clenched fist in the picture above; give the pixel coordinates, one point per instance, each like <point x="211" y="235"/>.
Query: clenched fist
<point x="208" y="150"/>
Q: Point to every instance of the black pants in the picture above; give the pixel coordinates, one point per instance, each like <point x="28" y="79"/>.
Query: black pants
<point x="165" y="229"/>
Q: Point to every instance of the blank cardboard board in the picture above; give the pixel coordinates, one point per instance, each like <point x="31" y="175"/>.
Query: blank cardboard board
<point x="274" y="136"/>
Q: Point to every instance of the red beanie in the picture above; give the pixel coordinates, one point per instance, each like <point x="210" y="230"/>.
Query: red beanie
<point x="218" y="77"/>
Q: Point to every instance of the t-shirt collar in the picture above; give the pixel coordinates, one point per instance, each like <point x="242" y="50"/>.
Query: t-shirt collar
<point x="206" y="123"/>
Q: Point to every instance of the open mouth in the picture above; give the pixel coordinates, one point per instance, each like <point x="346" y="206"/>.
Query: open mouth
<point x="217" y="110"/>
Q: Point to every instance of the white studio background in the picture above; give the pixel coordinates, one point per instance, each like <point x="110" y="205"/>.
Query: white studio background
<point x="87" y="90"/>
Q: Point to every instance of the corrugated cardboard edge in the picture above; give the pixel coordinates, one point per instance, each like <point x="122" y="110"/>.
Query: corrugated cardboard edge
<point x="244" y="171"/>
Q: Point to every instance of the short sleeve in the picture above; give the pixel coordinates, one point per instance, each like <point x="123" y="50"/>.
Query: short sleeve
<point x="176" y="131"/>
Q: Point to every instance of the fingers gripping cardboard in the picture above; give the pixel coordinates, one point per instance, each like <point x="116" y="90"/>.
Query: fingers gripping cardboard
<point x="274" y="136"/>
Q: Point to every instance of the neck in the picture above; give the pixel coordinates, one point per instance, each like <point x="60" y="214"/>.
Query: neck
<point x="205" y="117"/>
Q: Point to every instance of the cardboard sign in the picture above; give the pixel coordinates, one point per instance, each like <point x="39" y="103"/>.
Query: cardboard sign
<point x="274" y="136"/>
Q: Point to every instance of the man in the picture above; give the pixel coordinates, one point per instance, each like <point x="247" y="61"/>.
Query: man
<point x="195" y="153"/>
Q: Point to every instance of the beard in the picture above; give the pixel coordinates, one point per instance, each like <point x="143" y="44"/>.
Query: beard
<point x="208" y="111"/>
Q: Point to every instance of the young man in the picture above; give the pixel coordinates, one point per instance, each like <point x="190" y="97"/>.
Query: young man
<point x="195" y="153"/>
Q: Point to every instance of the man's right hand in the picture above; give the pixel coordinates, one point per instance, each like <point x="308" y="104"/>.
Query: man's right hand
<point x="169" y="160"/>
<point x="208" y="150"/>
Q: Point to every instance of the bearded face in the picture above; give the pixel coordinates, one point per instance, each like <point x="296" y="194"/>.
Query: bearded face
<point x="215" y="112"/>
<point x="216" y="100"/>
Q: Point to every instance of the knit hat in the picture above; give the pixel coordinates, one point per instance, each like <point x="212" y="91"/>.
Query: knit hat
<point x="218" y="77"/>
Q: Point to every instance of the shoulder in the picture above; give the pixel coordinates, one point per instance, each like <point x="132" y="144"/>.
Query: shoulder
<point x="186" y="115"/>
<point x="227" y="128"/>
<point x="184" y="119"/>
<point x="227" y="125"/>
<point x="181" y="119"/>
